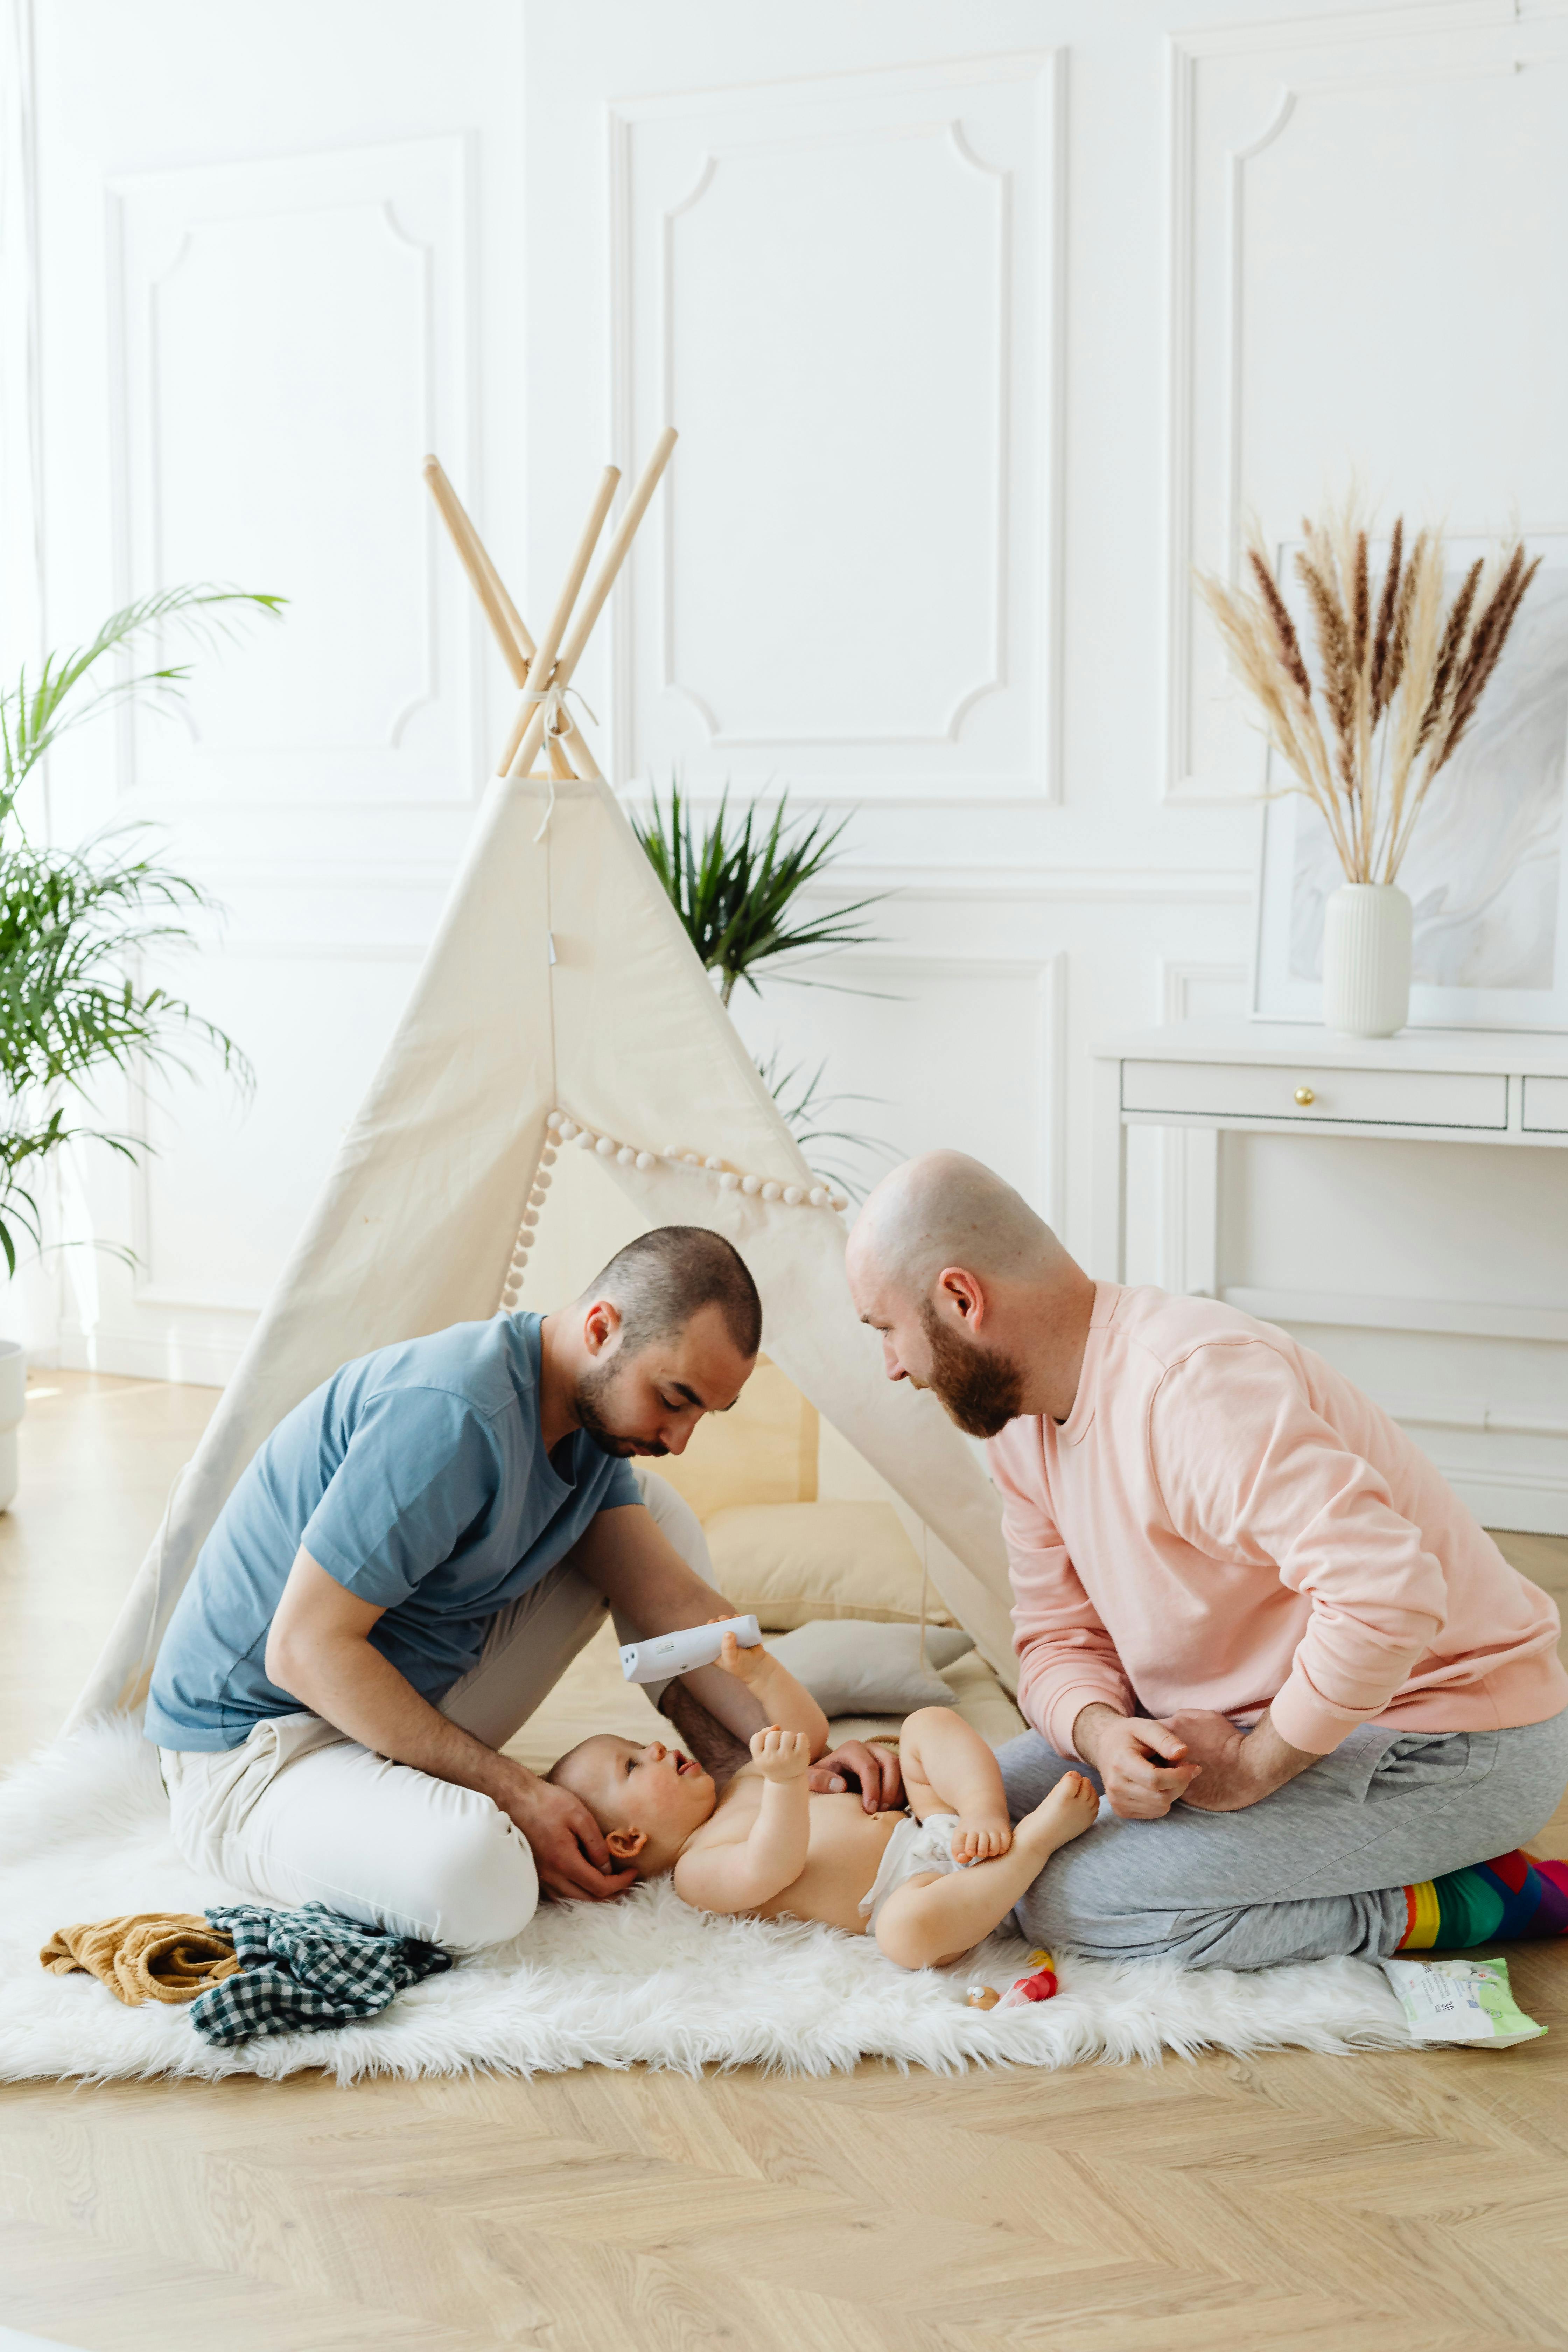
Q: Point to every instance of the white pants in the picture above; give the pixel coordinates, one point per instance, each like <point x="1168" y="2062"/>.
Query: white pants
<point x="301" y="1813"/>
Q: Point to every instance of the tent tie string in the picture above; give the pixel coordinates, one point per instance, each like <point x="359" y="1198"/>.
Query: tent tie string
<point x="552" y="701"/>
<point x="925" y="1595"/>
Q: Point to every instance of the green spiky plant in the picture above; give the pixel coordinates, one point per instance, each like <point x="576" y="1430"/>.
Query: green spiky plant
<point x="74" y="923"/>
<point x="734" y="888"/>
<point x="804" y="1105"/>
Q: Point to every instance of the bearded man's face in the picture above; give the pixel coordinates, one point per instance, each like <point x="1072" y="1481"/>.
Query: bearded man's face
<point x="980" y="1389"/>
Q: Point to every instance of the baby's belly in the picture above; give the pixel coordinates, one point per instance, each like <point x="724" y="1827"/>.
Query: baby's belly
<point x="842" y="1860"/>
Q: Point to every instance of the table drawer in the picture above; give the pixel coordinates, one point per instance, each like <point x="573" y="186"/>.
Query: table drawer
<point x="1368" y="1098"/>
<point x="1546" y="1105"/>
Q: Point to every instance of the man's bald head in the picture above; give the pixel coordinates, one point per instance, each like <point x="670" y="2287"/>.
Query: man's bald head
<point x="942" y="1210"/>
<point x="974" y="1297"/>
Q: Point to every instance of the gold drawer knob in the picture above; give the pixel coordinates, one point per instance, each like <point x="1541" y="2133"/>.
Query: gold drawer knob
<point x="1304" y="1096"/>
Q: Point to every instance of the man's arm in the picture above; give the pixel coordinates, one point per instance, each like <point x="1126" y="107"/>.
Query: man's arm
<point x="739" y="1874"/>
<point x="319" y="1650"/>
<point x="1068" y="1661"/>
<point x="1235" y="1768"/>
<point x="715" y="1745"/>
<point x="626" y="1554"/>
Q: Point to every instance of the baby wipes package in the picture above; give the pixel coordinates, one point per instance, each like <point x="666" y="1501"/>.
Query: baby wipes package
<point x="1459" y="2000"/>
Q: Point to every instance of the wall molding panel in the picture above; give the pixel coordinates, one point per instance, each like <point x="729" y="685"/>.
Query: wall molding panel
<point x="791" y="244"/>
<point x="354" y="719"/>
<point x="1254" y="97"/>
<point x="1011" y="1101"/>
<point x="354" y="269"/>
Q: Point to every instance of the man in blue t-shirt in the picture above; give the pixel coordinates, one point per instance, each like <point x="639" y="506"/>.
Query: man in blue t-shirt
<point x="405" y="1568"/>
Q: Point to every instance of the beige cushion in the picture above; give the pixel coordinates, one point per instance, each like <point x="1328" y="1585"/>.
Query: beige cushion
<point x="851" y="1667"/>
<point x="790" y="1562"/>
<point x="977" y="1696"/>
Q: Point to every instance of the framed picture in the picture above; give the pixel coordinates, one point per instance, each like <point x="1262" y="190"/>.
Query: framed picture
<point x="1487" y="869"/>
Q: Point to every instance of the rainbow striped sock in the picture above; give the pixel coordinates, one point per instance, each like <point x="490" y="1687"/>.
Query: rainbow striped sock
<point x="1490" y="1903"/>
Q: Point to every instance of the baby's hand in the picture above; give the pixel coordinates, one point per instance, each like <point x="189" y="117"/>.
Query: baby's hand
<point x="781" y="1755"/>
<point x="744" y="1664"/>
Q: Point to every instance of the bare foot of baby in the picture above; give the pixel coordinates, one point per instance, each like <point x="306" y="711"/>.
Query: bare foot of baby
<point x="1071" y="1808"/>
<point x="981" y="1837"/>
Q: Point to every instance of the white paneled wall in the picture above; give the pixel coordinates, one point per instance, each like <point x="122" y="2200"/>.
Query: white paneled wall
<point x="1361" y="205"/>
<point x="982" y="327"/>
<point x="290" y="338"/>
<point x="844" y="291"/>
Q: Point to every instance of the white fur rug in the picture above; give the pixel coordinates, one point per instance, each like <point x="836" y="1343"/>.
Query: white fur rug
<point x="84" y="1835"/>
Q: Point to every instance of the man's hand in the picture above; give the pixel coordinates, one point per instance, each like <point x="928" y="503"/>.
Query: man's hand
<point x="1142" y="1765"/>
<point x="568" y="1850"/>
<point x="1239" y="1767"/>
<point x="781" y="1755"/>
<point x="876" y="1768"/>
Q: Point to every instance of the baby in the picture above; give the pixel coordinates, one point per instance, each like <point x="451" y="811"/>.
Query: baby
<point x="928" y="1884"/>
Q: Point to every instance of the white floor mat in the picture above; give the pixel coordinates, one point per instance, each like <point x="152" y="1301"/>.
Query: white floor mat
<point x="84" y="1835"/>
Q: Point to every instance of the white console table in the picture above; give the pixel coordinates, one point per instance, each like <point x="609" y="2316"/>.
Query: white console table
<point x="1446" y="1086"/>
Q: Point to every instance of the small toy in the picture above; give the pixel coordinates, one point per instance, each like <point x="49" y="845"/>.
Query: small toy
<point x="982" y="1995"/>
<point x="1041" y="1985"/>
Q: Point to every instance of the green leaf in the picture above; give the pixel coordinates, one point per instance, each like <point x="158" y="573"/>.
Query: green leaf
<point x="75" y="924"/>
<point x="36" y="712"/>
<point x="735" y="889"/>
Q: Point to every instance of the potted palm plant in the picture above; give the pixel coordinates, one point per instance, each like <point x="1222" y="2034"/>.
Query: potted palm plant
<point x="75" y="924"/>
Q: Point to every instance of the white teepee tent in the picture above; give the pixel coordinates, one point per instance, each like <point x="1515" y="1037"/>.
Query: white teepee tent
<point x="561" y="1007"/>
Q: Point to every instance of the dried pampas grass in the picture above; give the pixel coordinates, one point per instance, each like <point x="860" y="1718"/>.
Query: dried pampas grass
<point x="1399" y="671"/>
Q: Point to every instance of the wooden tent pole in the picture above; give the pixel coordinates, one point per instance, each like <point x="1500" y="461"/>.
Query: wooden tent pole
<point x="543" y="661"/>
<point x="516" y="645"/>
<point x="615" y="556"/>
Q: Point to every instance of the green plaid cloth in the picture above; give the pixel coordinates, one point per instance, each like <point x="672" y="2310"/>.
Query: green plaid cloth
<point x="304" y="1971"/>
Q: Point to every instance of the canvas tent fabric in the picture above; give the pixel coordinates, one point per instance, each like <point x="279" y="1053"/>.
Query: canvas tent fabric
<point x="560" y="979"/>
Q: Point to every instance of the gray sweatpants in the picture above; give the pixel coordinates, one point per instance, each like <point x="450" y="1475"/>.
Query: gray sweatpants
<point x="1319" y="1867"/>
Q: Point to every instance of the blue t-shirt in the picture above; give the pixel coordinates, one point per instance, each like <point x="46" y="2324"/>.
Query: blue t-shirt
<point x="417" y="1478"/>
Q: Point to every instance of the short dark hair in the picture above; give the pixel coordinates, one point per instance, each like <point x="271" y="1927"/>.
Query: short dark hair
<point x="663" y="1278"/>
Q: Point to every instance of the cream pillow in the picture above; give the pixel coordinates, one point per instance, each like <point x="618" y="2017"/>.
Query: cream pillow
<point x="860" y="1669"/>
<point x="974" y="1692"/>
<point x="790" y="1562"/>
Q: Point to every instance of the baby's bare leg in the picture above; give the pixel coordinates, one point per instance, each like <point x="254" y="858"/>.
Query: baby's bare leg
<point x="948" y="1769"/>
<point x="930" y="1920"/>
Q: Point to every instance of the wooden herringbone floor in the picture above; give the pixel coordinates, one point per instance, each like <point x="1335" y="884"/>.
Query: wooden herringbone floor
<point x="1396" y="2204"/>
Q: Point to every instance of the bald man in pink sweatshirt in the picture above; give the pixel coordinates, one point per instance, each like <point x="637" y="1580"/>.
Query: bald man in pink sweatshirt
<point x="1305" y="1679"/>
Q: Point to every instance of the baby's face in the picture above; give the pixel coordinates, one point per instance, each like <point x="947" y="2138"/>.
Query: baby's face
<point x="652" y="1789"/>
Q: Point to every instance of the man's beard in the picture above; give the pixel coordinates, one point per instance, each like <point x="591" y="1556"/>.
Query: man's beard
<point x="980" y="1391"/>
<point x="594" y="1391"/>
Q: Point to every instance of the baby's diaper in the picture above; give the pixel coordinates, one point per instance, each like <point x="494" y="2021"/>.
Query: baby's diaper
<point x="913" y="1848"/>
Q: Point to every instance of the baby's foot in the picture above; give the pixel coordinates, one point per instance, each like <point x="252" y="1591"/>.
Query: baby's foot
<point x="981" y="1837"/>
<point x="1071" y="1808"/>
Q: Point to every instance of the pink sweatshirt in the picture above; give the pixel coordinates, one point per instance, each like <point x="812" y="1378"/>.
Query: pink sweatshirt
<point x="1224" y="1522"/>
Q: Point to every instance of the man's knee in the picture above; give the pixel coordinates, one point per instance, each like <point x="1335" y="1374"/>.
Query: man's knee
<point x="481" y="1886"/>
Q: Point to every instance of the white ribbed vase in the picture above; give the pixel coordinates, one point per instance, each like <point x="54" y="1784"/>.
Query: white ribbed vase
<point x="1367" y="959"/>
